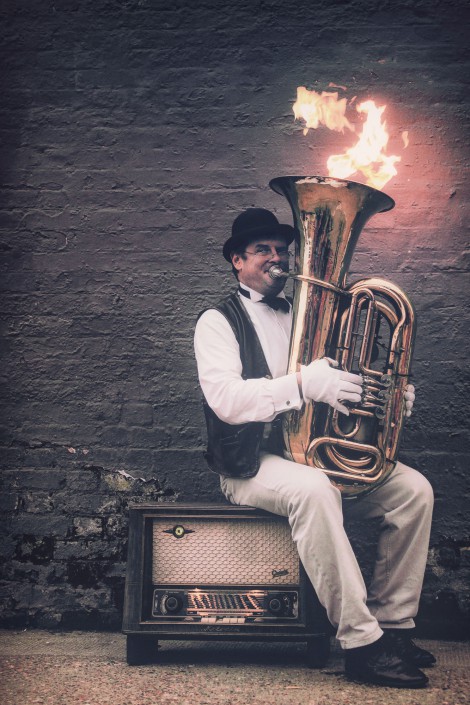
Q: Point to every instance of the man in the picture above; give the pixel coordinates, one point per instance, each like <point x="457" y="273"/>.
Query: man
<point x="241" y="348"/>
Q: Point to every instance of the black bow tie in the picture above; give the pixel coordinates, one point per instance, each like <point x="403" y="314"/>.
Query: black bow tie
<point x="274" y="302"/>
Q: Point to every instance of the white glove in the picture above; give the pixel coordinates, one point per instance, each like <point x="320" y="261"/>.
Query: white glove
<point x="320" y="382"/>
<point x="409" y="399"/>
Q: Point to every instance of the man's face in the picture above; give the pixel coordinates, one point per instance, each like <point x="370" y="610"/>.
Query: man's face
<point x="253" y="265"/>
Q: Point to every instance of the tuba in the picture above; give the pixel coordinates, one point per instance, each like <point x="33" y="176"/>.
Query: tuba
<point x="368" y="328"/>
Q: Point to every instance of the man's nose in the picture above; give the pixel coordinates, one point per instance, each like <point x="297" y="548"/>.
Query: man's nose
<point x="274" y="257"/>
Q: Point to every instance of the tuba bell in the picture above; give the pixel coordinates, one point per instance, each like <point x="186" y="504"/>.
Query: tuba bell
<point x="368" y="328"/>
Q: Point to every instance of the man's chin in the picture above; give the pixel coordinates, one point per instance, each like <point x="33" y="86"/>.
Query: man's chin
<point x="275" y="286"/>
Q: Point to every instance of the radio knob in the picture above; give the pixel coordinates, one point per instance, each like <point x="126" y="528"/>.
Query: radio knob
<point x="171" y="604"/>
<point x="279" y="605"/>
<point x="275" y="605"/>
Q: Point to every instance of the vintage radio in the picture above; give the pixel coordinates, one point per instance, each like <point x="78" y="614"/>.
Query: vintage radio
<point x="218" y="572"/>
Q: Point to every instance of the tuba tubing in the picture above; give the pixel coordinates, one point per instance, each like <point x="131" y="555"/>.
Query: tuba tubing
<point x="330" y="319"/>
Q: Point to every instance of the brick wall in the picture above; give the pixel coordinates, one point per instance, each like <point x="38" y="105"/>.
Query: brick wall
<point x="132" y="134"/>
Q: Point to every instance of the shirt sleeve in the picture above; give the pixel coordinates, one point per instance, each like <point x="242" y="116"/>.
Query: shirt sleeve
<point x="232" y="398"/>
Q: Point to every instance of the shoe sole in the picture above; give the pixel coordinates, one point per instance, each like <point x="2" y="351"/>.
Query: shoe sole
<point x="387" y="684"/>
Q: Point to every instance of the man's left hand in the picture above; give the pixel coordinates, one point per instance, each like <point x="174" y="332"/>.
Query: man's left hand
<point x="409" y="399"/>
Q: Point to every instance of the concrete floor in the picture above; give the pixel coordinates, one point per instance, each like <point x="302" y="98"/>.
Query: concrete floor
<point x="84" y="668"/>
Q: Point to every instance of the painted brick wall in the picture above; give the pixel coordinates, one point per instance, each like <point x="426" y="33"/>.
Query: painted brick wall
<point x="132" y="134"/>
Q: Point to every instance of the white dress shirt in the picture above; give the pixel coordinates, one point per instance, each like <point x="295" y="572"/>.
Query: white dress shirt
<point x="232" y="398"/>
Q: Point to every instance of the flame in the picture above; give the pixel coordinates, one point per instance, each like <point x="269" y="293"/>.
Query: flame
<point x="321" y="109"/>
<point x="368" y="155"/>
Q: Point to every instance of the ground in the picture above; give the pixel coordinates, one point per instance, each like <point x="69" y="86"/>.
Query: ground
<point x="89" y="668"/>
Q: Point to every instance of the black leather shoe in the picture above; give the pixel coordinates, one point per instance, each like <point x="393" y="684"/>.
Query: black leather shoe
<point x="378" y="663"/>
<point x="403" y="644"/>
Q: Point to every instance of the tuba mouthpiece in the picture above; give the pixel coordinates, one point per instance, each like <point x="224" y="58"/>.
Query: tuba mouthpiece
<point x="276" y="272"/>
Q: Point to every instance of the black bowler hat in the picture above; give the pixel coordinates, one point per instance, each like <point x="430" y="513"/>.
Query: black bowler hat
<point x="252" y="224"/>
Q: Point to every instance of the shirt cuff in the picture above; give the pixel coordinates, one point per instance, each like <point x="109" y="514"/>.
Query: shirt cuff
<point x="285" y="393"/>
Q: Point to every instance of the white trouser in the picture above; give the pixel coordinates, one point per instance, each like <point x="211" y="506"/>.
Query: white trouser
<point x="315" y="510"/>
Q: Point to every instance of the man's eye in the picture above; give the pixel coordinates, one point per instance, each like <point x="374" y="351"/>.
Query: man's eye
<point x="263" y="251"/>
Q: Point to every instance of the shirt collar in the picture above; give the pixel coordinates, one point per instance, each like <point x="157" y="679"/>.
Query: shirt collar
<point x="255" y="296"/>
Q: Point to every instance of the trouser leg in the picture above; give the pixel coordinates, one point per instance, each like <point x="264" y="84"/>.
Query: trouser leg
<point x="314" y="509"/>
<point x="405" y="503"/>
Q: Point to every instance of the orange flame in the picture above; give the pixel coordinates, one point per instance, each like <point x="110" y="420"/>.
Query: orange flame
<point x="368" y="154"/>
<point x="321" y="109"/>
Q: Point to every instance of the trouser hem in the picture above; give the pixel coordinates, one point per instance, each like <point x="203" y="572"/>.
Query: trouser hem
<point x="406" y="626"/>
<point x="356" y="644"/>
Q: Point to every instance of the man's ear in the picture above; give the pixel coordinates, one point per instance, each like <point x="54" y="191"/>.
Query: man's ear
<point x="237" y="261"/>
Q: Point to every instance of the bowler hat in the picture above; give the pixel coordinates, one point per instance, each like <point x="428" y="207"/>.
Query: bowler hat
<point x="255" y="223"/>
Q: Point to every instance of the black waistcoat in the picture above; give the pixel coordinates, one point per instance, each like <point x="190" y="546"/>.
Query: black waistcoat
<point x="233" y="450"/>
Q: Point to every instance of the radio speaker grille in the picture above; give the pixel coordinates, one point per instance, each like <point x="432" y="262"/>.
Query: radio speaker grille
<point x="218" y="552"/>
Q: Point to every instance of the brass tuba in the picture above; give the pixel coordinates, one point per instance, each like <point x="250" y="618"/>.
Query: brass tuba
<point x="368" y="328"/>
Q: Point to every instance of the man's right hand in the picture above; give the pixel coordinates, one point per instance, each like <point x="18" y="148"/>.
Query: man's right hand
<point x="322" y="382"/>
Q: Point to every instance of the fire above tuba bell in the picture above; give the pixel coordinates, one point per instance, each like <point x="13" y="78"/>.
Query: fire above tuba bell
<point x="367" y="327"/>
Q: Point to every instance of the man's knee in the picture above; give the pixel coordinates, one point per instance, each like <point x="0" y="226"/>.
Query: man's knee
<point x="316" y="488"/>
<point x="417" y="486"/>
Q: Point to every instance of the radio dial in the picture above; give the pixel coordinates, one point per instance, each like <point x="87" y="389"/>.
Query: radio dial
<point x="275" y="605"/>
<point x="171" y="604"/>
<point x="279" y="605"/>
